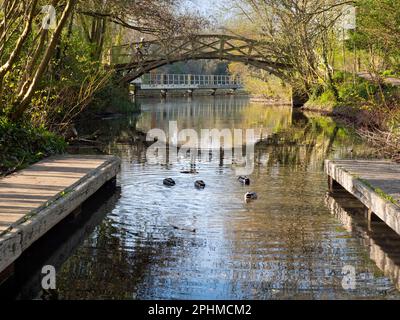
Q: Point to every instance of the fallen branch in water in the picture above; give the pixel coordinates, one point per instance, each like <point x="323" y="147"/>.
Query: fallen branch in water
<point x="386" y="143"/>
<point x="88" y="141"/>
<point x="183" y="228"/>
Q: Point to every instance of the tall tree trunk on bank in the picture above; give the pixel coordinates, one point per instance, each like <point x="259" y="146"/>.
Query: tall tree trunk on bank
<point x="25" y="96"/>
<point x="95" y="34"/>
<point x="20" y="43"/>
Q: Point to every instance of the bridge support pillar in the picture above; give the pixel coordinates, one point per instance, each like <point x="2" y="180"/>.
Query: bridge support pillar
<point x="164" y="94"/>
<point x="299" y="98"/>
<point x="134" y="90"/>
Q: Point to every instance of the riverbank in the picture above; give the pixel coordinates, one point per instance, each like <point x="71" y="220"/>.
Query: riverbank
<point x="385" y="141"/>
<point x="27" y="141"/>
<point x="270" y="101"/>
<point x="371" y="107"/>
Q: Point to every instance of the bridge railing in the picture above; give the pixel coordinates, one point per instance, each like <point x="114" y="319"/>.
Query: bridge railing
<point x="190" y="80"/>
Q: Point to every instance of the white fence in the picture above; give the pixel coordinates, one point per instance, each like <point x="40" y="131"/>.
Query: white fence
<point x="188" y="81"/>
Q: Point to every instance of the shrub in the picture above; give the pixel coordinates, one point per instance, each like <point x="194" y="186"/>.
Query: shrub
<point x="113" y="98"/>
<point x="23" y="144"/>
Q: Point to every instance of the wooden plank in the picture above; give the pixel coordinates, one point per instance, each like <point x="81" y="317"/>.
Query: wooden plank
<point x="375" y="183"/>
<point x="34" y="200"/>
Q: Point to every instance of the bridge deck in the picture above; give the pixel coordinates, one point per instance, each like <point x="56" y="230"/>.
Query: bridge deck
<point x="187" y="87"/>
<point x="187" y="82"/>
<point x="390" y="80"/>
<point x="36" y="199"/>
<point x="375" y="183"/>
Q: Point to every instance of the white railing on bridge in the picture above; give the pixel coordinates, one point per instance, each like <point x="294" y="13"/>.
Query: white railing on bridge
<point x="182" y="81"/>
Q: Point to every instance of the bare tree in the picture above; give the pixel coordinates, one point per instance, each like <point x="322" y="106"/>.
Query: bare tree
<point x="155" y="17"/>
<point x="300" y="32"/>
<point x="29" y="52"/>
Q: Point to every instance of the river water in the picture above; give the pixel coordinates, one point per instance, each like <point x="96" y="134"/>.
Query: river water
<point x="148" y="241"/>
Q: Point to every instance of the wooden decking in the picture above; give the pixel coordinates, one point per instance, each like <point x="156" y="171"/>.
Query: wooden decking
<point x="36" y="199"/>
<point x="375" y="183"/>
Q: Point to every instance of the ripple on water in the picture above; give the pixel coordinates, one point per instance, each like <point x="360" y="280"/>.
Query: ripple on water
<point x="287" y="244"/>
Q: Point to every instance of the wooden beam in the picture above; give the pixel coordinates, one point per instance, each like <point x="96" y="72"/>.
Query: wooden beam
<point x="222" y="47"/>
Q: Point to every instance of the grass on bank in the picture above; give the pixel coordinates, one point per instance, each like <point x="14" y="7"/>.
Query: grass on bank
<point x="353" y="92"/>
<point x="373" y="109"/>
<point x="368" y="105"/>
<point x="270" y="89"/>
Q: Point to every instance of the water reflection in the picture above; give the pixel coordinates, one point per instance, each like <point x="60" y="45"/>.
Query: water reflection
<point x="285" y="245"/>
<point x="219" y="113"/>
<point x="382" y="243"/>
<point x="309" y="141"/>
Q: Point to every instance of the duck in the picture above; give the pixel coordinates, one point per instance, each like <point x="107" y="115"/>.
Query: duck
<point x="249" y="196"/>
<point x="244" y="180"/>
<point x="192" y="171"/>
<point x="183" y="228"/>
<point x="199" y="184"/>
<point x="169" y="182"/>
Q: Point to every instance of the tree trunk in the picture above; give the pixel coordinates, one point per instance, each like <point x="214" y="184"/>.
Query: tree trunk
<point x="21" y="41"/>
<point x="24" y="98"/>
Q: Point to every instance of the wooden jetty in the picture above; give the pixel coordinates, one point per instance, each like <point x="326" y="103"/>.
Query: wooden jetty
<point x="375" y="183"/>
<point x="36" y="199"/>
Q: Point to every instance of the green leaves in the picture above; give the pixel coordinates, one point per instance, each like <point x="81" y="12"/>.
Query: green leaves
<point x="22" y="144"/>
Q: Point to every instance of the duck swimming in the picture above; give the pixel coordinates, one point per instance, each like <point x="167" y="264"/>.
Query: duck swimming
<point x="244" y="180"/>
<point x="199" y="184"/>
<point x="192" y="171"/>
<point x="249" y="196"/>
<point x="169" y="182"/>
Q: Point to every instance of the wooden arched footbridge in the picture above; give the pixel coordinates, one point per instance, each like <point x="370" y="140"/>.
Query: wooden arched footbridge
<point x="139" y="58"/>
<point x="136" y="59"/>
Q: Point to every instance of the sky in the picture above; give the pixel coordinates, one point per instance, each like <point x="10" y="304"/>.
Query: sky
<point x="214" y="10"/>
<point x="207" y="7"/>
